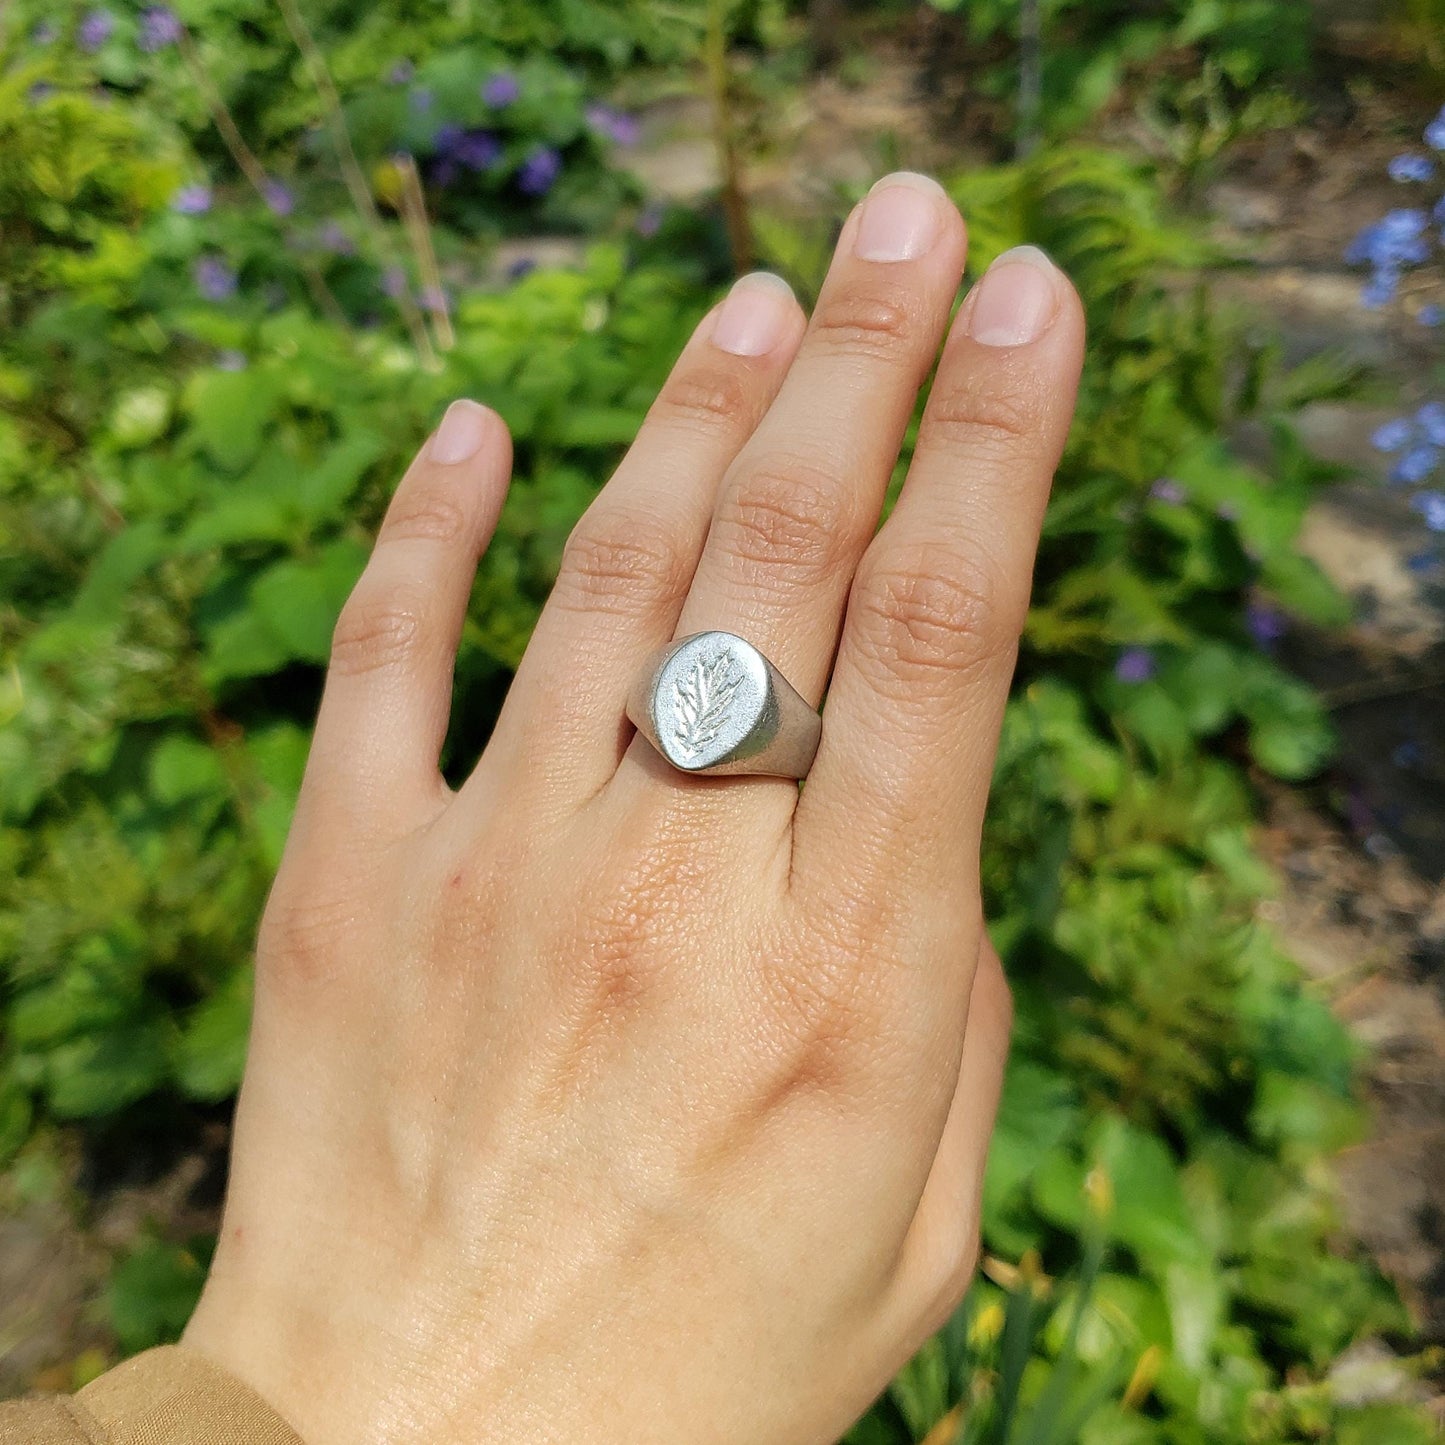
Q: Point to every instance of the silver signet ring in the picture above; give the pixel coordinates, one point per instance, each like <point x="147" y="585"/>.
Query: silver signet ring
<point x="713" y="703"/>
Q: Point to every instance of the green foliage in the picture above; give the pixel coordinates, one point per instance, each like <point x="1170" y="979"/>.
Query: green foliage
<point x="187" y="490"/>
<point x="1208" y="69"/>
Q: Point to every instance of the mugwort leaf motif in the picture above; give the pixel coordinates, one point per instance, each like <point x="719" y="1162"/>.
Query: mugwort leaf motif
<point x="702" y="698"/>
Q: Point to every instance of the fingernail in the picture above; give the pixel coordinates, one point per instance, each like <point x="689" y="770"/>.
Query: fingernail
<point x="755" y="315"/>
<point x="1016" y="299"/>
<point x="902" y="218"/>
<point x="460" y="435"/>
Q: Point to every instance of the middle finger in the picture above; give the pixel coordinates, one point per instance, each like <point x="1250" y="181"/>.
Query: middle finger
<point x="801" y="499"/>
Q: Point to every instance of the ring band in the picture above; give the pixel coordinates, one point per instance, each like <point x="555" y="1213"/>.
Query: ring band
<point x="714" y="704"/>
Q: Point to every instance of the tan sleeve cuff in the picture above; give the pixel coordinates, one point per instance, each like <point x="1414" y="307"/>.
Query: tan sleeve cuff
<point x="169" y="1396"/>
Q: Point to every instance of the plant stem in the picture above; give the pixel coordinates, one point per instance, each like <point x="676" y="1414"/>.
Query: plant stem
<point x="250" y="167"/>
<point x="418" y="230"/>
<point x="1031" y="64"/>
<point x="351" y="172"/>
<point x="734" y="199"/>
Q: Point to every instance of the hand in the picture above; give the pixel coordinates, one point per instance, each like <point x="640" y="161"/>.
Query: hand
<point x="595" y="1101"/>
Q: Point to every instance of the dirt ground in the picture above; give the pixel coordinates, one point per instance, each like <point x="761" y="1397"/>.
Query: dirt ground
<point x="1361" y="855"/>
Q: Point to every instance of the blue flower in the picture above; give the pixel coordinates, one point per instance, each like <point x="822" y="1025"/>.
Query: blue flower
<point x="97" y="27"/>
<point x="333" y="237"/>
<point x="1393" y="435"/>
<point x="215" y="280"/>
<point x="447" y="137"/>
<point x="279" y="198"/>
<point x="522" y="266"/>
<point x="1435" y="132"/>
<point x="192" y="200"/>
<point x="1380" y="289"/>
<point x="159" y="27"/>
<point x="393" y="282"/>
<point x="400" y="73"/>
<point x="1422" y="562"/>
<point x="539" y="171"/>
<point x="1431" y="315"/>
<point x="501" y="89"/>
<point x="421" y="98"/>
<point x="1431" y="420"/>
<point x="44" y="34"/>
<point x="1411" y="168"/>
<point x="1431" y="505"/>
<point x="1415" y="465"/>
<point x="1135" y="664"/>
<point x="1166" y="489"/>
<point x="40" y="91"/>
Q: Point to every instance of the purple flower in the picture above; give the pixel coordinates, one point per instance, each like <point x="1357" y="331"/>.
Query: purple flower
<point x="43" y="34"/>
<point x="1422" y="562"/>
<point x="1411" y="168"/>
<point x="214" y="279"/>
<point x="501" y="89"/>
<point x="433" y="299"/>
<point x="42" y="90"/>
<point x="539" y="172"/>
<point x="230" y="360"/>
<point x="1431" y="315"/>
<point x="278" y="198"/>
<point x="522" y="266"/>
<point x="478" y="150"/>
<point x="400" y="73"/>
<point x="97" y="27"/>
<point x="1435" y="132"/>
<point x="159" y="27"/>
<point x="333" y="237"/>
<point x="192" y="200"/>
<point x="1415" y="465"/>
<point x="1431" y="420"/>
<point x="1266" y="625"/>
<point x="649" y="220"/>
<point x="447" y="137"/>
<point x="1166" y="489"/>
<point x="421" y="98"/>
<point x="1135" y="664"/>
<point x="617" y="125"/>
<point x="393" y="282"/>
<point x="1431" y="506"/>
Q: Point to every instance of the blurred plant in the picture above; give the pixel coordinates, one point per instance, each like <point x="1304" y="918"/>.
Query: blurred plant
<point x="1240" y="54"/>
<point x="1410" y="242"/>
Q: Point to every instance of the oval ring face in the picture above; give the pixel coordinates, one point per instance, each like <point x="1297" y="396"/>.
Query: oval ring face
<point x="712" y="702"/>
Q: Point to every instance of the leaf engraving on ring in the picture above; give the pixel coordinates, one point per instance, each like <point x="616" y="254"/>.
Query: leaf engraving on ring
<point x="702" y="699"/>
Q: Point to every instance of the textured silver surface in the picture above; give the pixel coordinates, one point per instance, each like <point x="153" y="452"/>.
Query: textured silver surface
<point x="712" y="703"/>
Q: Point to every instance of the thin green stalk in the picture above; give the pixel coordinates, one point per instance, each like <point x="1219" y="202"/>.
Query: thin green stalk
<point x="719" y="86"/>
<point x="352" y="174"/>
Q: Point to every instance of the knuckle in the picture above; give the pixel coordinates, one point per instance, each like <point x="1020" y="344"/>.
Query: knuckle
<point x="935" y="609"/>
<point x="978" y="411"/>
<point x="858" y="324"/>
<point x="426" y="515"/>
<point x="786" y="512"/>
<point x="621" y="559"/>
<point x="377" y="630"/>
<point x="304" y="939"/>
<point x="703" y="398"/>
